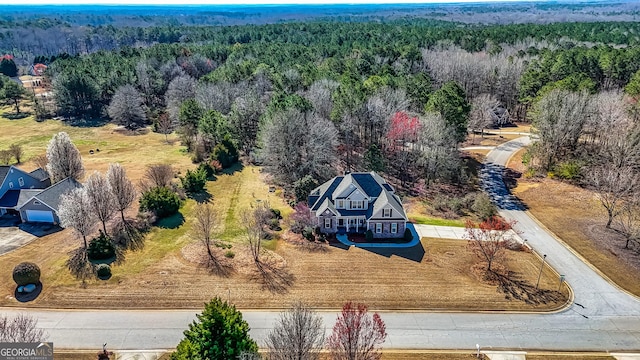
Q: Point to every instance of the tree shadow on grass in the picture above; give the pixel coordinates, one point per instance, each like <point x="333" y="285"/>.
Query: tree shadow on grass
<point x="237" y="167"/>
<point x="514" y="287"/>
<point x="219" y="266"/>
<point x="202" y="197"/>
<point x="87" y="123"/>
<point x="128" y="236"/>
<point x="171" y="222"/>
<point x="273" y="276"/>
<point x="79" y="265"/>
<point x="19" y="116"/>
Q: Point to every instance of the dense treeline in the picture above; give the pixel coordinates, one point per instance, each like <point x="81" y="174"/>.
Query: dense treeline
<point x="310" y="100"/>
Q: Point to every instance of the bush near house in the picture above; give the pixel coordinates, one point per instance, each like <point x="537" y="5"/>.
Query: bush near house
<point x="26" y="273"/>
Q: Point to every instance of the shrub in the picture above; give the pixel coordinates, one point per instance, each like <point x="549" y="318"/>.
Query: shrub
<point x="103" y="271"/>
<point x="369" y="235"/>
<point x="225" y="152"/>
<point x="194" y="181"/>
<point x="161" y="201"/>
<point x="408" y="236"/>
<point x="276" y="214"/>
<point x="229" y="254"/>
<point x="483" y="207"/>
<point x="307" y="233"/>
<point x="101" y="248"/>
<point x="208" y="169"/>
<point x="569" y="170"/>
<point x="26" y="273"/>
<point x="274" y="224"/>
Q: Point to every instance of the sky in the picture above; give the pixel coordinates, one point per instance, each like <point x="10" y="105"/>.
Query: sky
<point x="227" y="2"/>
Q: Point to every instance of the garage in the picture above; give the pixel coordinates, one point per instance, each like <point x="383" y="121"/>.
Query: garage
<point x="39" y="216"/>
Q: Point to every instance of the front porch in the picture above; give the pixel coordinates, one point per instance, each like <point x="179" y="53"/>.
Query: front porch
<point x="351" y="225"/>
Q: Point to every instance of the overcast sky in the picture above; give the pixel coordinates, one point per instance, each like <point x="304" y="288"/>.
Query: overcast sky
<point x="221" y="2"/>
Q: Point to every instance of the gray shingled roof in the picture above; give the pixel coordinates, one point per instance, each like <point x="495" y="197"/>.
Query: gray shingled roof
<point x="4" y="170"/>
<point x="26" y="195"/>
<point x="51" y="195"/>
<point x="387" y="198"/>
<point x="39" y="174"/>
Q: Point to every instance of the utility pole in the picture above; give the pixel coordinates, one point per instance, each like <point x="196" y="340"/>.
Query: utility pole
<point x="544" y="257"/>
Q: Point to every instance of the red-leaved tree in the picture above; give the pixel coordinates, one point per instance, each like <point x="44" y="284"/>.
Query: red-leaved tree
<point x="489" y="239"/>
<point x="403" y="129"/>
<point x="357" y="334"/>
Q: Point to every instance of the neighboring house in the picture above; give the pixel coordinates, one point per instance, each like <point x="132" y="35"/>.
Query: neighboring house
<point x="42" y="205"/>
<point x="31" y="195"/>
<point x="358" y="202"/>
<point x="37" y="69"/>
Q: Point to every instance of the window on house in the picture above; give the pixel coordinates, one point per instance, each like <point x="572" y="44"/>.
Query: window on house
<point x="327" y="223"/>
<point x="394" y="228"/>
<point x="357" y="204"/>
<point x="36" y="202"/>
<point x="11" y="185"/>
<point x="386" y="212"/>
<point x="340" y="204"/>
<point x="378" y="228"/>
<point x="21" y="181"/>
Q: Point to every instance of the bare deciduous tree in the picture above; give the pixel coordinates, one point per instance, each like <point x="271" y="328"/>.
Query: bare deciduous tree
<point x="126" y="108"/>
<point x="320" y="95"/>
<point x="628" y="220"/>
<point x="254" y="222"/>
<point x="40" y="161"/>
<point x="63" y="158"/>
<point x="17" y="152"/>
<point x="5" y="157"/>
<point x="180" y="89"/>
<point x="483" y="111"/>
<point x="204" y="227"/>
<point x="559" y="118"/>
<point x="124" y="193"/>
<point x="357" y="334"/>
<point x="164" y="125"/>
<point x="612" y="185"/>
<point x="159" y="175"/>
<point x="437" y="147"/>
<point x="298" y="334"/>
<point x="488" y="239"/>
<point x="75" y="212"/>
<point x="244" y="120"/>
<point x="100" y="198"/>
<point x="22" y="328"/>
<point x="296" y="144"/>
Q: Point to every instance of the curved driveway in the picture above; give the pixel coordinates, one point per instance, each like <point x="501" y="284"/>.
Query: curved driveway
<point x="607" y="319"/>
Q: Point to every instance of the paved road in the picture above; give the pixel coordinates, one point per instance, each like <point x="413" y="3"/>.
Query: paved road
<point x="607" y="319"/>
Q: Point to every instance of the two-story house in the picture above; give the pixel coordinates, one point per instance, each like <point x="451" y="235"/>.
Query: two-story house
<point x="357" y="202"/>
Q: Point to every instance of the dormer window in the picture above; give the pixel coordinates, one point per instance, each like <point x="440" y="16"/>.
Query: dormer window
<point x="386" y="212"/>
<point x="357" y="204"/>
<point x="340" y="204"/>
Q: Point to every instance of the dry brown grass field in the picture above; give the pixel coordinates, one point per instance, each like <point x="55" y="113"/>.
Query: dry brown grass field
<point x="576" y="216"/>
<point x="438" y="274"/>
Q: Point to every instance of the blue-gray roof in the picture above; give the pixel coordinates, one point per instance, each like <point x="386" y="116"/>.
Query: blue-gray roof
<point x="26" y="195"/>
<point x="323" y="191"/>
<point x="51" y="195"/>
<point x="4" y="170"/>
<point x="39" y="174"/>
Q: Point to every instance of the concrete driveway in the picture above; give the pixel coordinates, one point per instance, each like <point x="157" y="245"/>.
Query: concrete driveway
<point x="14" y="234"/>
